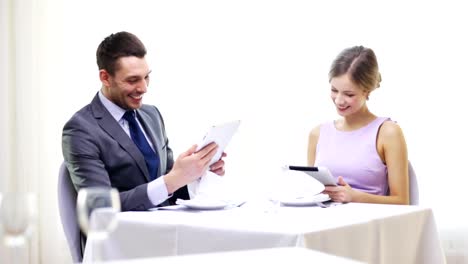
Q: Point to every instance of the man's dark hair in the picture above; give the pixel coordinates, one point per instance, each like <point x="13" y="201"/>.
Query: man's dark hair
<point x="115" y="46"/>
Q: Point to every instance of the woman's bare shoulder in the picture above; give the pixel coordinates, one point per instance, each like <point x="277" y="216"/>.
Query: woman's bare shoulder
<point x="315" y="132"/>
<point x="390" y="130"/>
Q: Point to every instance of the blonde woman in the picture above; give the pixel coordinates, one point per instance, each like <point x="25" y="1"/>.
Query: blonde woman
<point x="367" y="154"/>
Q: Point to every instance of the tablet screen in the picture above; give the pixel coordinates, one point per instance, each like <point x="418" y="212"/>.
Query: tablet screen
<point x="221" y="135"/>
<point x="321" y="174"/>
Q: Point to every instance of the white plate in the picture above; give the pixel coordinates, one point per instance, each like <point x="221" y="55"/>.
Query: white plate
<point x="203" y="204"/>
<point x="306" y="201"/>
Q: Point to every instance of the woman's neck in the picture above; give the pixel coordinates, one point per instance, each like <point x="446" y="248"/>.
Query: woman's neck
<point x="356" y="120"/>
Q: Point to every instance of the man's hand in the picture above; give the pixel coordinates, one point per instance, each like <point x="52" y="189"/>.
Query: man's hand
<point x="218" y="167"/>
<point x="190" y="166"/>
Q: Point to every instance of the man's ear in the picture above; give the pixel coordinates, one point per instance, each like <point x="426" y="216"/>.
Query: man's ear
<point x="104" y="76"/>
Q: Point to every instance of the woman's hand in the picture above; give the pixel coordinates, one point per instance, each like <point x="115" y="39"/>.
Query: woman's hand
<point x="342" y="193"/>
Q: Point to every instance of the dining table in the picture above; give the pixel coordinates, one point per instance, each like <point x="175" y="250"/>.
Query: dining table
<point x="294" y="255"/>
<point x="369" y="233"/>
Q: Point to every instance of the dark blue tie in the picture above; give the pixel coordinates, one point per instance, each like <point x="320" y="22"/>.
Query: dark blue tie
<point x="138" y="137"/>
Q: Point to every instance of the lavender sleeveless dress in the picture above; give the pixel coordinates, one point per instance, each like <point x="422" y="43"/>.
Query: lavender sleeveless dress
<point x="353" y="155"/>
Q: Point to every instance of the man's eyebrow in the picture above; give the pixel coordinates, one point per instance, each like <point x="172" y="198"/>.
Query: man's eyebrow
<point x="136" y="76"/>
<point x="132" y="77"/>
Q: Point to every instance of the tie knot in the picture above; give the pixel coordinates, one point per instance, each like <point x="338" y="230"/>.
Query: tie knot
<point x="129" y="115"/>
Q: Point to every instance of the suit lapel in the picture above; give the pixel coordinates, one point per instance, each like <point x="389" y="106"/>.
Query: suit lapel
<point x="113" y="128"/>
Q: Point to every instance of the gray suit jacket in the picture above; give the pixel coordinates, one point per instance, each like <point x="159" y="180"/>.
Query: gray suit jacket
<point x="98" y="152"/>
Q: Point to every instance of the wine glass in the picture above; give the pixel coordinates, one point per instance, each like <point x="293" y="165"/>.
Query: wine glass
<point x="97" y="208"/>
<point x="17" y="213"/>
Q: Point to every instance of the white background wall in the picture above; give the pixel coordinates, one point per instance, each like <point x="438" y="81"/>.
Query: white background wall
<point x="266" y="63"/>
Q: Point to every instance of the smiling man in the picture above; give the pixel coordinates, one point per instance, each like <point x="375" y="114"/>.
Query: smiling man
<point x="117" y="141"/>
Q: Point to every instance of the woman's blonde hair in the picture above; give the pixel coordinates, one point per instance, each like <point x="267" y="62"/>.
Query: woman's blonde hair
<point x="361" y="65"/>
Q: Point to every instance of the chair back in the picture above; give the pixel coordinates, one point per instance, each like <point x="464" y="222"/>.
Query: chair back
<point x="67" y="207"/>
<point x="413" y="185"/>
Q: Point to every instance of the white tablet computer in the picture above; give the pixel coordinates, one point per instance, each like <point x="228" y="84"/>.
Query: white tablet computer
<point x="321" y="174"/>
<point x="221" y="135"/>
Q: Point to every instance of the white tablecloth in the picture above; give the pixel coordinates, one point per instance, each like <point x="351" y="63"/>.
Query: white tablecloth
<point x="272" y="255"/>
<point x="365" y="232"/>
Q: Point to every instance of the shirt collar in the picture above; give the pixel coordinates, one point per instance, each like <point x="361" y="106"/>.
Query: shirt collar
<point x="116" y="111"/>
